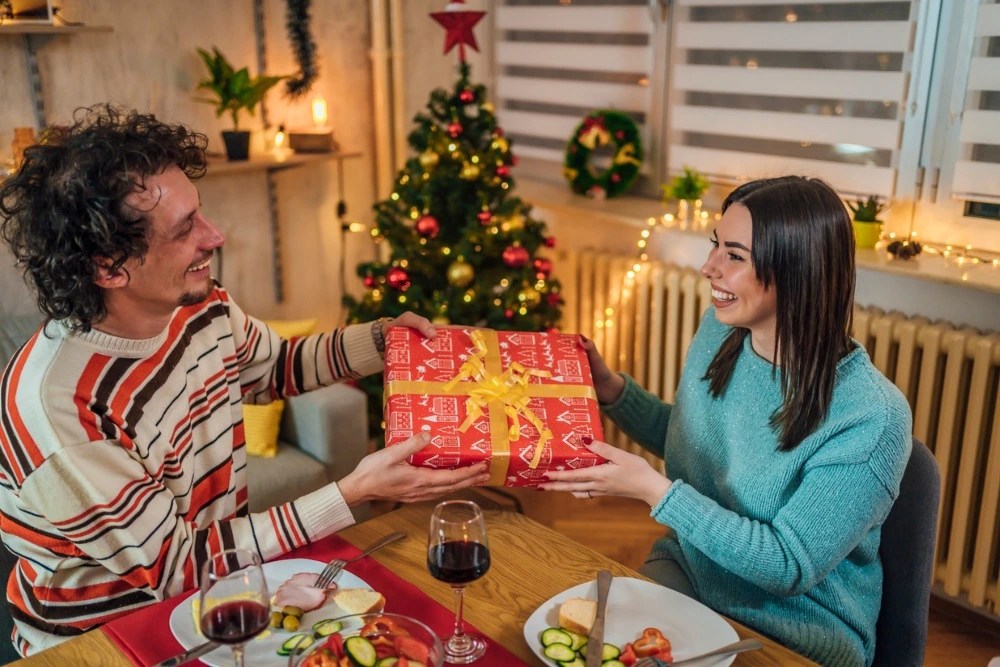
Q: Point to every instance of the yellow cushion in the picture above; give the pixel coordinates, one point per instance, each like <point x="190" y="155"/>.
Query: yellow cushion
<point x="262" y="422"/>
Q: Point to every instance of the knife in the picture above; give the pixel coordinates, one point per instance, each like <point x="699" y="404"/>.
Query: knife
<point x="189" y="655"/>
<point x="595" y="641"/>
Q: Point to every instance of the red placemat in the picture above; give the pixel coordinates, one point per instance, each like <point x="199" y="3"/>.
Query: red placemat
<point x="145" y="635"/>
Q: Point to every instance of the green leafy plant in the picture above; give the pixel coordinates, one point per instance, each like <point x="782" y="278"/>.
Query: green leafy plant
<point x="235" y="90"/>
<point x="690" y="185"/>
<point x="867" y="210"/>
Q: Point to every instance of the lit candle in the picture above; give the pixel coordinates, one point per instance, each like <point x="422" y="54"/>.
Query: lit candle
<point x="319" y="112"/>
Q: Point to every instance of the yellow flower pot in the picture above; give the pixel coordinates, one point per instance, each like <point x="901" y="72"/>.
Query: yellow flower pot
<point x="866" y="234"/>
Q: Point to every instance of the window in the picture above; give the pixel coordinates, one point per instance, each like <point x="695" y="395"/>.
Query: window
<point x="899" y="98"/>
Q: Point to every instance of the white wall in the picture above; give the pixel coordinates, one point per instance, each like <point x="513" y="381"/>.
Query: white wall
<point x="149" y="62"/>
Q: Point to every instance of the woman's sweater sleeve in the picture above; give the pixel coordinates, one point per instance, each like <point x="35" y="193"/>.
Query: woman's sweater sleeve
<point x="823" y="521"/>
<point x="641" y="415"/>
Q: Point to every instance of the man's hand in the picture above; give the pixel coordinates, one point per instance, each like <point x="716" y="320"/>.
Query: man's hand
<point x="412" y="320"/>
<point x="607" y="384"/>
<point x="385" y="475"/>
<point x="624" y="474"/>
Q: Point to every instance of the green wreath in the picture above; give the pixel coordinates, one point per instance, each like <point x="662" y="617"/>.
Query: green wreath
<point x="597" y="129"/>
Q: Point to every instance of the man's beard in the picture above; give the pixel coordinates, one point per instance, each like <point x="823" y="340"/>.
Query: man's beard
<point x="196" y="297"/>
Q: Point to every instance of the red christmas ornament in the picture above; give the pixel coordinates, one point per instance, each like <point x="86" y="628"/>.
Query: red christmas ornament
<point x="509" y="314"/>
<point x="543" y="265"/>
<point x="515" y="256"/>
<point x="503" y="171"/>
<point x="458" y="24"/>
<point x="398" y="279"/>
<point x="454" y="129"/>
<point x="553" y="298"/>
<point x="615" y="177"/>
<point x="370" y="281"/>
<point x="498" y="132"/>
<point x="485" y="217"/>
<point x="550" y="242"/>
<point x="513" y="160"/>
<point x="428" y="226"/>
<point x="466" y="96"/>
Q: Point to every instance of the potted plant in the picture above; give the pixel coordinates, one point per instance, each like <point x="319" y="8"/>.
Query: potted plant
<point x="235" y="90"/>
<point x="867" y="226"/>
<point x="686" y="188"/>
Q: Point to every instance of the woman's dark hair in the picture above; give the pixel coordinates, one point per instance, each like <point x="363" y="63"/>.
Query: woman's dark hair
<point x="64" y="208"/>
<point x="803" y="248"/>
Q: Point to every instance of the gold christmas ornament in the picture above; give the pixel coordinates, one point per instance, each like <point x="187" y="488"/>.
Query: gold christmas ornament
<point x="460" y="273"/>
<point x="487" y="107"/>
<point x="440" y="320"/>
<point x="500" y="143"/>
<point x="429" y="159"/>
<point x="529" y="296"/>
<point x="470" y="172"/>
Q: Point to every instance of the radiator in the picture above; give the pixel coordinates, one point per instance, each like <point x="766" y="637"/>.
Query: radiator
<point x="642" y="316"/>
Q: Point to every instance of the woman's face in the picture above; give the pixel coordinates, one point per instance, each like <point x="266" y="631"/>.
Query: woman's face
<point x="740" y="299"/>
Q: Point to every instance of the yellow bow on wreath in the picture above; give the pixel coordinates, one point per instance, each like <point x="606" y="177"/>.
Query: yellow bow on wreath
<point x="595" y="135"/>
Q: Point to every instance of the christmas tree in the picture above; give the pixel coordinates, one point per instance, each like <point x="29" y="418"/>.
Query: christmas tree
<point x="463" y="248"/>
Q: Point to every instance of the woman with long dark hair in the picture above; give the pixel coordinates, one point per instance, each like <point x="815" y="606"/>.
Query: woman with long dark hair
<point x="785" y="446"/>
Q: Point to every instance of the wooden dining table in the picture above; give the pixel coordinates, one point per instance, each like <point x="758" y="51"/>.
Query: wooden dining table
<point x="530" y="563"/>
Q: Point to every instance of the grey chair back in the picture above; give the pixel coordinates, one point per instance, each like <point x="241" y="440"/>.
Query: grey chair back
<point x="907" y="552"/>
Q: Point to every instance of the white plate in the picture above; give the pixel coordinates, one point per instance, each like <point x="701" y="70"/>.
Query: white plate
<point x="634" y="605"/>
<point x="262" y="650"/>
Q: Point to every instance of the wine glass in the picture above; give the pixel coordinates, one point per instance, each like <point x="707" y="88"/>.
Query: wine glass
<point x="235" y="604"/>
<point x="457" y="554"/>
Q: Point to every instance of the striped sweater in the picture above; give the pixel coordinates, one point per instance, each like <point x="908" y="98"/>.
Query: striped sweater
<point x="123" y="464"/>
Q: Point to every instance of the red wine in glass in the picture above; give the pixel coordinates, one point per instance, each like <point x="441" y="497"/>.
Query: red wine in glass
<point x="235" y="605"/>
<point x="235" y="622"/>
<point x="457" y="554"/>
<point x="458" y="562"/>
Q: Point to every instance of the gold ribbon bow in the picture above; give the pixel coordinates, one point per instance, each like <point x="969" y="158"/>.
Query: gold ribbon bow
<point x="509" y="388"/>
<point x="595" y="135"/>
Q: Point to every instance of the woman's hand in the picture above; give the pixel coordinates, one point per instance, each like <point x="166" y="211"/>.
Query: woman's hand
<point x="386" y="475"/>
<point x="412" y="320"/>
<point x="608" y="384"/>
<point x="624" y="474"/>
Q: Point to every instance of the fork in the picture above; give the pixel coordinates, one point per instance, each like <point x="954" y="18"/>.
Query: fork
<point x="334" y="567"/>
<point x="728" y="649"/>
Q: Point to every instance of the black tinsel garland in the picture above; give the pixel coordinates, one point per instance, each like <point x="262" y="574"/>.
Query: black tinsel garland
<point x="297" y="23"/>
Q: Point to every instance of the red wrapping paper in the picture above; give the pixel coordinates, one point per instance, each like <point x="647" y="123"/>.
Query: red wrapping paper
<point x="429" y="382"/>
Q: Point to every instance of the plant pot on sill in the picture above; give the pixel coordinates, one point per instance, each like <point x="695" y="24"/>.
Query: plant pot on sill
<point x="866" y="234"/>
<point x="237" y="144"/>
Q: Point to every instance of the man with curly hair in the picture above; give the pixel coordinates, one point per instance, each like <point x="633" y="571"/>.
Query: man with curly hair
<point x="122" y="454"/>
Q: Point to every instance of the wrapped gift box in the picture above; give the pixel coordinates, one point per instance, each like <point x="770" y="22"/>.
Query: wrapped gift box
<point x="495" y="396"/>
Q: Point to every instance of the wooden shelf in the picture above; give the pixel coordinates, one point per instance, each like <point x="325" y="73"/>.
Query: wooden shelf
<point x="219" y="166"/>
<point x="25" y="28"/>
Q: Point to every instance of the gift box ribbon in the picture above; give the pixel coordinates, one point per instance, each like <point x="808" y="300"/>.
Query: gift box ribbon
<point x="502" y="395"/>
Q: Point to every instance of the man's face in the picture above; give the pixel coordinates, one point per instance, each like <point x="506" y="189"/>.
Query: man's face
<point x="175" y="270"/>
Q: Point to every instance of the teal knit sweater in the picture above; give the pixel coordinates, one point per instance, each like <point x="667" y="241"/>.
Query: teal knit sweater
<point x="785" y="542"/>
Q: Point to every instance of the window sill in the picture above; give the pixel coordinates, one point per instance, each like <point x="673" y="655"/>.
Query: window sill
<point x="631" y="211"/>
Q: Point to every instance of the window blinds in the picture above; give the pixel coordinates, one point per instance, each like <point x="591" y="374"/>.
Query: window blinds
<point x="767" y="87"/>
<point x="559" y="60"/>
<point x="977" y="172"/>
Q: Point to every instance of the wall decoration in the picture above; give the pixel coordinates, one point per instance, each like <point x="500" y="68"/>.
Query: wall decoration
<point x="598" y="129"/>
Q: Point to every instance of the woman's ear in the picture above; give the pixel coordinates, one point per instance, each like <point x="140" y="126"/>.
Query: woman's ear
<point x="108" y="277"/>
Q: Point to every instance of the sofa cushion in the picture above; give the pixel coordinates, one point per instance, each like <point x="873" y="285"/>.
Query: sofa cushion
<point x="290" y="474"/>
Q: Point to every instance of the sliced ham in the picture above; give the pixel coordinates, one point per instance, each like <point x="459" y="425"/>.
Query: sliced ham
<point x="300" y="591"/>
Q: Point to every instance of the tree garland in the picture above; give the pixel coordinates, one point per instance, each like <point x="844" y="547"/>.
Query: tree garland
<point x="598" y="129"/>
<point x="297" y="23"/>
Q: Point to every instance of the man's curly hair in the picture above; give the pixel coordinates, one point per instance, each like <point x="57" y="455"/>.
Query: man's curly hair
<point x="64" y="208"/>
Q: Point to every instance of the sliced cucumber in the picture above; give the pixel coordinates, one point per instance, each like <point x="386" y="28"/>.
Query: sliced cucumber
<point x="612" y="663"/>
<point x="326" y="627"/>
<point x="579" y="641"/>
<point x="575" y="662"/>
<point x="298" y="642"/>
<point x="556" y="636"/>
<point x="610" y="652"/>
<point x="387" y="662"/>
<point x="559" y="652"/>
<point x="360" y="651"/>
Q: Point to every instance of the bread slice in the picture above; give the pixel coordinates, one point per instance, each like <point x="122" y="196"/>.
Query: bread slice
<point x="359" y="600"/>
<point x="578" y="615"/>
